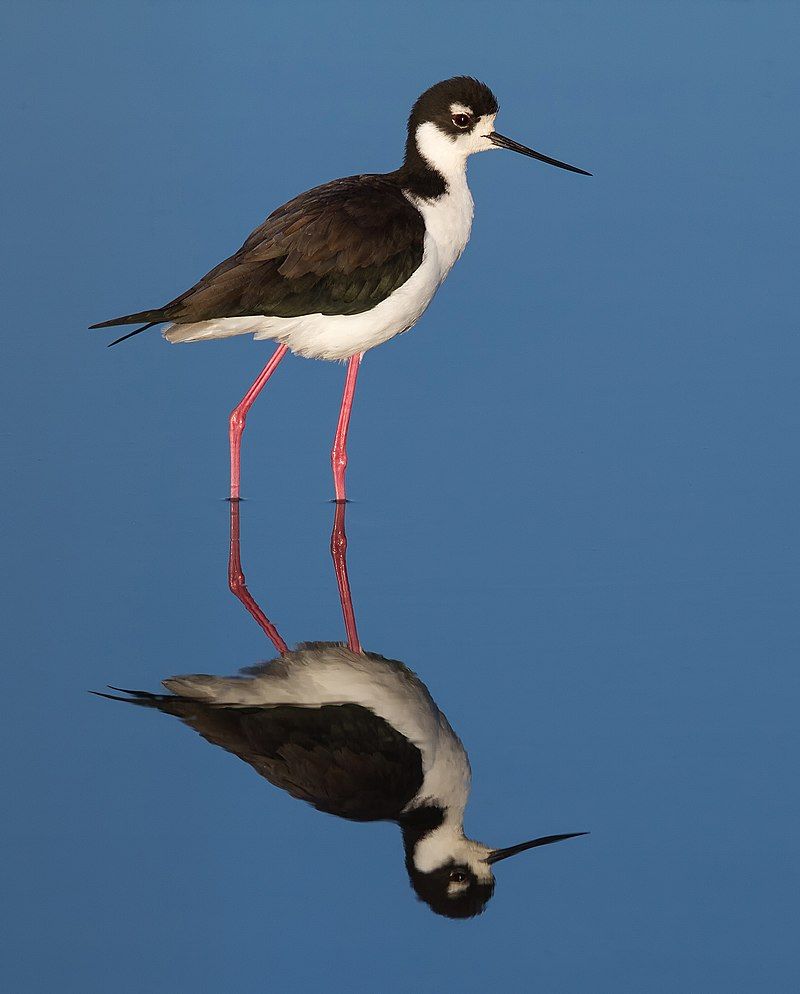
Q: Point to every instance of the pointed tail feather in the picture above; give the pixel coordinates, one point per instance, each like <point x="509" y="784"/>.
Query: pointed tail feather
<point x="137" y="696"/>
<point x="167" y="703"/>
<point x="136" y="331"/>
<point x="151" y="317"/>
<point x="154" y="317"/>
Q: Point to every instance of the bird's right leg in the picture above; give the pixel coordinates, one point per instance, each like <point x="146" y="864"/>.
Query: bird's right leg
<point x="339" y="450"/>
<point x="238" y="585"/>
<point x="239" y="416"/>
<point x="339" y="554"/>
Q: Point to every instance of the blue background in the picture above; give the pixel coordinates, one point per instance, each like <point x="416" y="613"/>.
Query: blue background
<point x="576" y="487"/>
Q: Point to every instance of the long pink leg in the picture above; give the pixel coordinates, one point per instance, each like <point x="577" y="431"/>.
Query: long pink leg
<point x="339" y="450"/>
<point x="339" y="554"/>
<point x="238" y="585"/>
<point x="239" y="416"/>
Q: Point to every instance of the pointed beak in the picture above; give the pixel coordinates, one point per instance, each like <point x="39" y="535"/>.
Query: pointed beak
<point x="502" y="142"/>
<point x="496" y="855"/>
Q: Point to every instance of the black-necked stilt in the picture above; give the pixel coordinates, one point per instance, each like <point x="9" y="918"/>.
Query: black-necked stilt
<point x="355" y="735"/>
<point x="348" y="265"/>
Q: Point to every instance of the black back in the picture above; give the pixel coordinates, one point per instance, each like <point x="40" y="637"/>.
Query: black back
<point x="340" y="248"/>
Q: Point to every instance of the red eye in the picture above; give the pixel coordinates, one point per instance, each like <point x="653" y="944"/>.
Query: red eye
<point x="461" y="120"/>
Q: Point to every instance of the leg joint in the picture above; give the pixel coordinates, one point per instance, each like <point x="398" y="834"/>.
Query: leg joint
<point x="237" y="419"/>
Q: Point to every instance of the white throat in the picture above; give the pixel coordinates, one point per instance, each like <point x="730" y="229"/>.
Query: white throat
<point x="448" y="843"/>
<point x="448" y="154"/>
<point x="448" y="218"/>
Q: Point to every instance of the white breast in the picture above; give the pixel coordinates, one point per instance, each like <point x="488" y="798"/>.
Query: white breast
<point x="448" y="221"/>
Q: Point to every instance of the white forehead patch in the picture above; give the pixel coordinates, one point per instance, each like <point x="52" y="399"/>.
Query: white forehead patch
<point x="461" y="109"/>
<point x="485" y="125"/>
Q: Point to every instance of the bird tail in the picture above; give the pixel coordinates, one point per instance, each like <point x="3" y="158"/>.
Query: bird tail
<point x="151" y="317"/>
<point x="168" y="703"/>
<point x="141" y="697"/>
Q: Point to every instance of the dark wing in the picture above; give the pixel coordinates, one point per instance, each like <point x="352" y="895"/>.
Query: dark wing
<point x="341" y="758"/>
<point x="340" y="248"/>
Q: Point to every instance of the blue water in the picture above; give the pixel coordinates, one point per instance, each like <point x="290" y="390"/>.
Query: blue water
<point x="575" y="493"/>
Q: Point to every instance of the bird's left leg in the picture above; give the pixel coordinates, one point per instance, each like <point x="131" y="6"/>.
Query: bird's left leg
<point x="239" y="416"/>
<point x="339" y="554"/>
<point x="238" y="585"/>
<point x="339" y="450"/>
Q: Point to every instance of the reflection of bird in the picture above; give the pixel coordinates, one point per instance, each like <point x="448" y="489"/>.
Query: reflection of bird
<point x="348" y="265"/>
<point x="357" y="736"/>
<point x="354" y="734"/>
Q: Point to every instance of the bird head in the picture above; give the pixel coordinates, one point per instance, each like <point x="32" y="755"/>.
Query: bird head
<point x="454" y="879"/>
<point x="454" y="119"/>
<point x="452" y="874"/>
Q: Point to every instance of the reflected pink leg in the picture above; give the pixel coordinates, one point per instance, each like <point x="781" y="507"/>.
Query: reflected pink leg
<point x="339" y="554"/>
<point x="236" y="582"/>
<point x="339" y="450"/>
<point x="239" y="416"/>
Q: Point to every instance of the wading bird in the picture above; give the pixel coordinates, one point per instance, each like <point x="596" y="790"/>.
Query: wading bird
<point x="355" y="735"/>
<point x="348" y="265"/>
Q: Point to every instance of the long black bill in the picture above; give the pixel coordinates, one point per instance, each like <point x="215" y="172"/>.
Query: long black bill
<point x="502" y="142"/>
<point x="499" y="854"/>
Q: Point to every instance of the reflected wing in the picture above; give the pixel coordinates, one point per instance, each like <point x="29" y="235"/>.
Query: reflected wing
<point x="342" y="758"/>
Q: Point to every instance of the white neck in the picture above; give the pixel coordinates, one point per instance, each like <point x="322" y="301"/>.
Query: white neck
<point x="437" y="846"/>
<point x="446" y="156"/>
<point x="448" y="842"/>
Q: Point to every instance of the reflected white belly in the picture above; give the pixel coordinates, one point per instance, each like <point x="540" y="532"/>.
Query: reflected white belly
<point x="327" y="673"/>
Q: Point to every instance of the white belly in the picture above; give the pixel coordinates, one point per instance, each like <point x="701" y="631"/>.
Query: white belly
<point x="448" y="222"/>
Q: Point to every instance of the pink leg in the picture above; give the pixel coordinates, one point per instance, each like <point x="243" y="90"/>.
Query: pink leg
<point x="339" y="554"/>
<point x="339" y="450"/>
<point x="239" y="416"/>
<point x="238" y="585"/>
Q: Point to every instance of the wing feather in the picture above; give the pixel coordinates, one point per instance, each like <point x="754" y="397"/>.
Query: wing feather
<point x="338" y="249"/>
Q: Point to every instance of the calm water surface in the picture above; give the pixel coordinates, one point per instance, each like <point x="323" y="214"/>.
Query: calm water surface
<point x="575" y="501"/>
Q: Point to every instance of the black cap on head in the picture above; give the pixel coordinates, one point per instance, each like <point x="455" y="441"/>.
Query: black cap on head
<point x="434" y="104"/>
